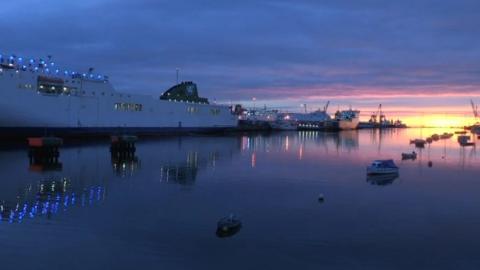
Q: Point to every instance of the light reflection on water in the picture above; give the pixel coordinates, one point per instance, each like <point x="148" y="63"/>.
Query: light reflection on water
<point x="159" y="206"/>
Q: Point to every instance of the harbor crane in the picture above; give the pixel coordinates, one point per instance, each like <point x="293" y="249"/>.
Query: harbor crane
<point x="378" y="115"/>
<point x="326" y="106"/>
<point x="474" y="109"/>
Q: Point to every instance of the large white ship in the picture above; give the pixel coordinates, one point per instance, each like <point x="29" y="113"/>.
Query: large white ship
<point x="36" y="97"/>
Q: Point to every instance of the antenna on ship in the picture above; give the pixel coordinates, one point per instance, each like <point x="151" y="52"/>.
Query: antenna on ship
<point x="177" y="70"/>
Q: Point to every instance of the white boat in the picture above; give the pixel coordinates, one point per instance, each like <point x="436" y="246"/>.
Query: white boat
<point x="348" y="119"/>
<point x="37" y="96"/>
<point x="382" y="167"/>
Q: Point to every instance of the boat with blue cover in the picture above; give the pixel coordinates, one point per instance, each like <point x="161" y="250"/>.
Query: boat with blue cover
<point x="386" y="166"/>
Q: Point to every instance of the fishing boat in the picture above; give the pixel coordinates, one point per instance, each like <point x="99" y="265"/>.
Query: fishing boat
<point x="386" y="166"/>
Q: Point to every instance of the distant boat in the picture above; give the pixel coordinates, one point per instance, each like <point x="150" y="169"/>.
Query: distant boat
<point x="343" y="120"/>
<point x="419" y="143"/>
<point x="446" y="136"/>
<point x="475" y="129"/>
<point x="412" y="155"/>
<point x="382" y="167"/>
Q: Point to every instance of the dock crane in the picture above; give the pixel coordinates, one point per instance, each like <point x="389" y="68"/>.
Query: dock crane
<point x="378" y="115"/>
<point x="474" y="109"/>
<point x="326" y="106"/>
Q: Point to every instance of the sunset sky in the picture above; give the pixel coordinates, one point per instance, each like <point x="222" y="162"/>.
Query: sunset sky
<point x="420" y="59"/>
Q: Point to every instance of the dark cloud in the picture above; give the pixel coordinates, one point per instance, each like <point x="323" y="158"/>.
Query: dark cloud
<point x="264" y="48"/>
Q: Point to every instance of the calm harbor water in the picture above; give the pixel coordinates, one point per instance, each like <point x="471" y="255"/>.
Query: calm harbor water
<point x="158" y="209"/>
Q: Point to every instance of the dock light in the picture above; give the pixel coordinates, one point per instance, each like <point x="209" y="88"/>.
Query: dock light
<point x="32" y="61"/>
<point x="57" y="71"/>
<point x="66" y="72"/>
<point x="20" y="59"/>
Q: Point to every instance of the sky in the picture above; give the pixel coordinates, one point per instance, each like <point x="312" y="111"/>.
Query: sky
<point x="420" y="59"/>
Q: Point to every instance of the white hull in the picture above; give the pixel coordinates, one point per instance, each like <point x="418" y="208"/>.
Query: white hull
<point x="348" y="124"/>
<point x="95" y="104"/>
<point x="372" y="170"/>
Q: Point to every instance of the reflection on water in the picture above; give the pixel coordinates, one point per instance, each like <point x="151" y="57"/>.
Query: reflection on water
<point x="46" y="198"/>
<point x="157" y="207"/>
<point x="382" y="180"/>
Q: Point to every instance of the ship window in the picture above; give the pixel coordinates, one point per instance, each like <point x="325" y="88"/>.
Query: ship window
<point x="128" y="107"/>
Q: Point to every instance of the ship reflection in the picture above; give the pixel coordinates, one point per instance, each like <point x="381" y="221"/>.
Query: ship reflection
<point x="47" y="198"/>
<point x="183" y="173"/>
<point x="125" y="164"/>
<point x="343" y="140"/>
<point x="382" y="179"/>
<point x="40" y="163"/>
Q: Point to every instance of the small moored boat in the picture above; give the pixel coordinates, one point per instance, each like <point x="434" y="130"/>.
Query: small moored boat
<point x="412" y="155"/>
<point x="382" y="167"/>
<point x="228" y="226"/>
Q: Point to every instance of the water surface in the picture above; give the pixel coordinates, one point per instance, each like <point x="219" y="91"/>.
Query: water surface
<point x="158" y="209"/>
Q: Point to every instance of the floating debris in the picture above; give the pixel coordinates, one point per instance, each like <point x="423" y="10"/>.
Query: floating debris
<point x="430" y="164"/>
<point x="321" y="198"/>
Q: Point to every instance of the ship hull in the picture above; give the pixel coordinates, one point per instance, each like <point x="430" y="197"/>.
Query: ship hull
<point x="348" y="124"/>
<point x="24" y="132"/>
<point x="95" y="108"/>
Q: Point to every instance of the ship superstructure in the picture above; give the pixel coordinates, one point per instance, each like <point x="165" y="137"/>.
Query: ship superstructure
<point x="37" y="96"/>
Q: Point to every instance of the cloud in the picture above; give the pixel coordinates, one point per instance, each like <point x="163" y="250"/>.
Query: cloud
<point x="271" y="49"/>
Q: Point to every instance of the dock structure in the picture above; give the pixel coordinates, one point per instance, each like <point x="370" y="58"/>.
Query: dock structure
<point x="44" y="150"/>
